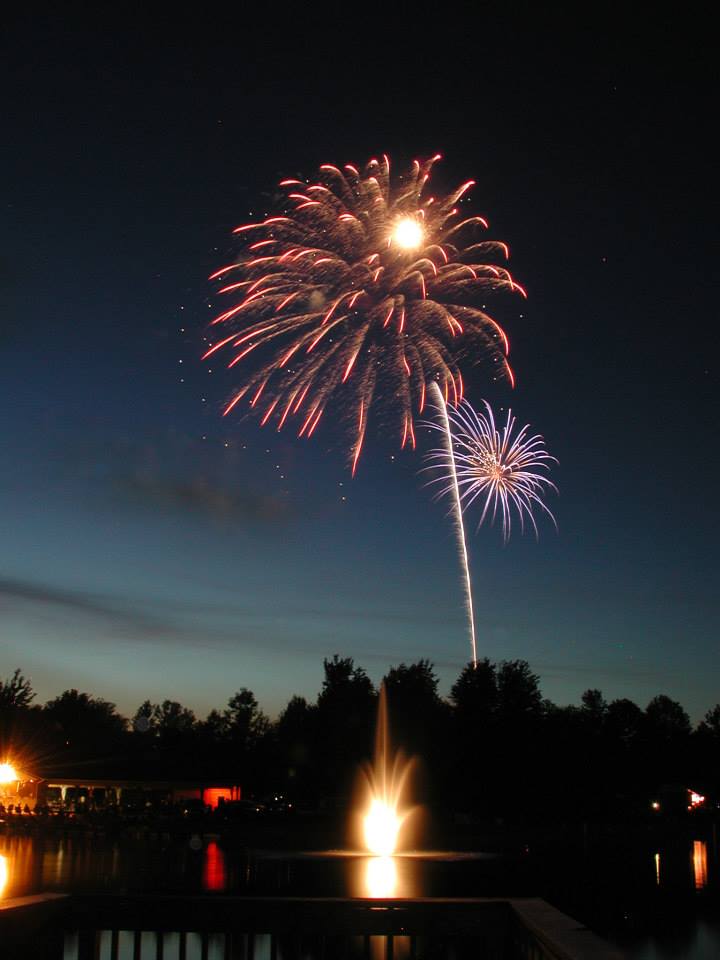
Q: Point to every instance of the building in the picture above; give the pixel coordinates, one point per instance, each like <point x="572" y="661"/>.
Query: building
<point x="78" y="793"/>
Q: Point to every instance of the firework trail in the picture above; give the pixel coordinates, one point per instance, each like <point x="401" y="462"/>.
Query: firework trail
<point x="362" y="281"/>
<point x="453" y="487"/>
<point x="499" y="466"/>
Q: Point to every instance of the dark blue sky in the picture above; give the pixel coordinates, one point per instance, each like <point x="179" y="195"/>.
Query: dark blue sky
<point x="152" y="549"/>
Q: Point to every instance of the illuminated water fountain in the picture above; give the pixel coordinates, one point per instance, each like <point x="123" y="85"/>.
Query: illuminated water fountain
<point x="386" y="814"/>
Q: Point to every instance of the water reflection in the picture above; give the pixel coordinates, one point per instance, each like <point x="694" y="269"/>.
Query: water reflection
<point x="699" y="859"/>
<point x="683" y="866"/>
<point x="381" y="878"/>
<point x="398" y="948"/>
<point x="214" y="875"/>
<point x="161" y="863"/>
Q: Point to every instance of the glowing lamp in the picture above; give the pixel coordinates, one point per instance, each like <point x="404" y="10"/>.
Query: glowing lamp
<point x="8" y="773"/>
<point x="408" y="234"/>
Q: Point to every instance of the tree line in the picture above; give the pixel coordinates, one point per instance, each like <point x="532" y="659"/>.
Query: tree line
<point x="494" y="746"/>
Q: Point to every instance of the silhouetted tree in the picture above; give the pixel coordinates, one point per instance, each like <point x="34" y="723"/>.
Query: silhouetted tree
<point x="172" y="719"/>
<point x="344" y="684"/>
<point x="666" y="744"/>
<point x="518" y="735"/>
<point x="296" y="731"/>
<point x="564" y="740"/>
<point x="474" y="743"/>
<point x="519" y="697"/>
<point x="710" y="723"/>
<point x="592" y="716"/>
<point x="413" y="683"/>
<point x="80" y="714"/>
<point x="86" y="729"/>
<point x="144" y="721"/>
<point x="245" y="741"/>
<point x="16" y="692"/>
<point x="706" y="753"/>
<point x="245" y="723"/>
<point x="496" y="748"/>
<point x="295" y="721"/>
<point x="18" y="720"/>
<point x="420" y="721"/>
<point x="345" y="720"/>
<point x="594" y="707"/>
<point x="163" y="739"/>
<point x="667" y="718"/>
<point x="475" y="695"/>
<point x="623" y="721"/>
<point x="213" y="728"/>
<point x="215" y="757"/>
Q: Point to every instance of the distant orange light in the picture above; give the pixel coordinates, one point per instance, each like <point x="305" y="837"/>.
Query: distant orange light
<point x="212" y="796"/>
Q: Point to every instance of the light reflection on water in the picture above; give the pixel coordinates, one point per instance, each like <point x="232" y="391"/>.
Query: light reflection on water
<point x="671" y="870"/>
<point x="674" y="874"/>
<point x="381" y="878"/>
<point x="699" y="856"/>
<point x="214" y="873"/>
<point x="85" y="863"/>
<point x="379" y="948"/>
<point x="30" y="864"/>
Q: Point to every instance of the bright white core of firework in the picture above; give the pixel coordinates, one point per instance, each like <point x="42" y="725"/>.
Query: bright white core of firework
<point x="408" y="234"/>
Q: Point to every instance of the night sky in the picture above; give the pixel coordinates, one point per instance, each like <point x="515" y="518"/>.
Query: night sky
<point x="152" y="549"/>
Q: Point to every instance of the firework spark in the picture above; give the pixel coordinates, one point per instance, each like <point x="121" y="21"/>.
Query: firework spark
<point x="497" y="466"/>
<point x="362" y="280"/>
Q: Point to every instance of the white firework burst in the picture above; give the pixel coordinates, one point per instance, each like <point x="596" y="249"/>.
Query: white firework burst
<point x="497" y="465"/>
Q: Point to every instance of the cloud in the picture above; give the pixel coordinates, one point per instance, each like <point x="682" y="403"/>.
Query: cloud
<point x="28" y="597"/>
<point x="106" y="619"/>
<point x="332" y="614"/>
<point x="184" y="622"/>
<point x="203" y="498"/>
<point x="175" y="472"/>
<point x="623" y="670"/>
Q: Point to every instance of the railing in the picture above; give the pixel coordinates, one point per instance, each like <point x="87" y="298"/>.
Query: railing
<point x="107" y="927"/>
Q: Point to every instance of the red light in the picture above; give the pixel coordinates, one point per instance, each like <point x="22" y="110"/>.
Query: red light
<point x="212" y="795"/>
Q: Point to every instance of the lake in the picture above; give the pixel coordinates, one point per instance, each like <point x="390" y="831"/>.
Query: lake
<point x="655" y="901"/>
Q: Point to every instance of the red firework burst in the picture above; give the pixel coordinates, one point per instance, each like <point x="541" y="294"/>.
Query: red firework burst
<point x="361" y="282"/>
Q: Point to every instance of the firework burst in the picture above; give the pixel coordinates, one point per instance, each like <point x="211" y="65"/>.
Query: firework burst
<point x="497" y="465"/>
<point x="360" y="281"/>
